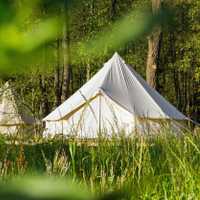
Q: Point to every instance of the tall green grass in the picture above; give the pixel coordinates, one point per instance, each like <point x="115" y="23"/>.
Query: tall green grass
<point x="164" y="166"/>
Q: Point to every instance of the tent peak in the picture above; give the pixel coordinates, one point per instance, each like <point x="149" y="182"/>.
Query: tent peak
<point x="115" y="54"/>
<point x="117" y="57"/>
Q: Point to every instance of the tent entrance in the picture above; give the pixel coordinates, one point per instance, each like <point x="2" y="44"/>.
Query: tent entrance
<point x="100" y="115"/>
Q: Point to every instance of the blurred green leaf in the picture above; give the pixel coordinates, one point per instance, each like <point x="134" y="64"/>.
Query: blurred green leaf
<point x="21" y="47"/>
<point x="42" y="188"/>
<point x="6" y="11"/>
<point x="133" y="26"/>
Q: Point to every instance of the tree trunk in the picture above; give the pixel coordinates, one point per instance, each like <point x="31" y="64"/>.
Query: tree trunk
<point x="175" y="71"/>
<point x="88" y="71"/>
<point x="57" y="81"/>
<point x="113" y="9"/>
<point x="44" y="106"/>
<point x="44" y="97"/>
<point x="196" y="101"/>
<point x="153" y="48"/>
<point x="66" y="52"/>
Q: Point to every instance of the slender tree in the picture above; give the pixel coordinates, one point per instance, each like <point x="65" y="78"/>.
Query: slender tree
<point x="66" y="51"/>
<point x="45" y="107"/>
<point x="57" y="76"/>
<point x="113" y="8"/>
<point x="44" y="98"/>
<point x="153" y="48"/>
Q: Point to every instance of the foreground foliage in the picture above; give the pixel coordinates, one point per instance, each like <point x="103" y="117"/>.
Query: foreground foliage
<point x="154" y="167"/>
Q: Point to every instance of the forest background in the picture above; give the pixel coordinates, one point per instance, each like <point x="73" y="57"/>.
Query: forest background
<point x="68" y="42"/>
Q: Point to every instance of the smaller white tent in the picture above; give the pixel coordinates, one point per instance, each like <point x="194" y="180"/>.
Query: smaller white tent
<point x="114" y="99"/>
<point x="12" y="115"/>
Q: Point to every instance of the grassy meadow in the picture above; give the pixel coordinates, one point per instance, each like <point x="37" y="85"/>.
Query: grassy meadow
<point x="49" y="49"/>
<point x="162" y="166"/>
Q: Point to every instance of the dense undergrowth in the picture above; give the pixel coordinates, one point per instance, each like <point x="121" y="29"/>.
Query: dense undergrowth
<point x="163" y="166"/>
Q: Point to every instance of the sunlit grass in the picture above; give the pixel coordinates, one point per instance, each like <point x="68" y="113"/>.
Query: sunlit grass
<point x="153" y="167"/>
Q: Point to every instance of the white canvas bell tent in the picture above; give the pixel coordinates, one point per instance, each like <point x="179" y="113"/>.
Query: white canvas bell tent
<point x="12" y="116"/>
<point x="114" y="99"/>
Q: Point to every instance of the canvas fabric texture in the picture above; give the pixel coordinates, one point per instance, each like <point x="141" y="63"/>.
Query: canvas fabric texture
<point x="116" y="87"/>
<point x="11" y="114"/>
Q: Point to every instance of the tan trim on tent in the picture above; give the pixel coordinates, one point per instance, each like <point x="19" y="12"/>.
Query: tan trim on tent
<point x="19" y="124"/>
<point x="101" y="92"/>
<point x="11" y="124"/>
<point x="66" y="117"/>
<point x="142" y="119"/>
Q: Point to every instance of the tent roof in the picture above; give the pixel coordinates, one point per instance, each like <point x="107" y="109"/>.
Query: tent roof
<point x="126" y="87"/>
<point x="11" y="113"/>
